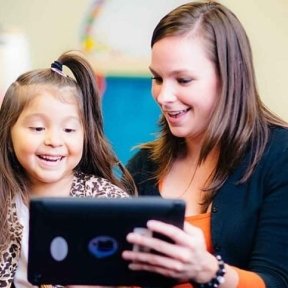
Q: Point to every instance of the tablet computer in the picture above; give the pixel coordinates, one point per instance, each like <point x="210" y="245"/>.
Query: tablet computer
<point x="80" y="240"/>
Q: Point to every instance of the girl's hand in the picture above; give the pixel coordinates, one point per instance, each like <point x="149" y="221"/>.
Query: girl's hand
<point x="186" y="258"/>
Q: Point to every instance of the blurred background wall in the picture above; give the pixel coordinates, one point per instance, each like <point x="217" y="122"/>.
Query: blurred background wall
<point x="115" y="36"/>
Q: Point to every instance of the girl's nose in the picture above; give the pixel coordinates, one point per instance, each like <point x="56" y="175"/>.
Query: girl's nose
<point x="53" y="138"/>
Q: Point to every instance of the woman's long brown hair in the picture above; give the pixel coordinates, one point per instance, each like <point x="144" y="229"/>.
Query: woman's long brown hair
<point x="240" y="119"/>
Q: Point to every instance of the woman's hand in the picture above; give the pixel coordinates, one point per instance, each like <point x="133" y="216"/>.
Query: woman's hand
<point x="84" y="286"/>
<point x="185" y="259"/>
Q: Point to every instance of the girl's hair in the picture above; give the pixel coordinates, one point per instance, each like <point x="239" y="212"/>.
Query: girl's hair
<point x="97" y="159"/>
<point x="240" y="118"/>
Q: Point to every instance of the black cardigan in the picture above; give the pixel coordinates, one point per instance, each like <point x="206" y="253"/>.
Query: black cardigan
<point x="249" y="222"/>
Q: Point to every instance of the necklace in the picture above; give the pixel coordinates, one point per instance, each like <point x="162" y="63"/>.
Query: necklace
<point x="189" y="184"/>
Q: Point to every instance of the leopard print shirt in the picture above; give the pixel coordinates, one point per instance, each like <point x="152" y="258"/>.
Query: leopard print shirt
<point x="82" y="186"/>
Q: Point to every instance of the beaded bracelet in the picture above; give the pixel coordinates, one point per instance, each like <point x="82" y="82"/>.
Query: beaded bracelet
<point x="216" y="281"/>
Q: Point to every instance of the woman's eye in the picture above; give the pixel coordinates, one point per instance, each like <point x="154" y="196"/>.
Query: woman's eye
<point x="184" y="80"/>
<point x="157" y="79"/>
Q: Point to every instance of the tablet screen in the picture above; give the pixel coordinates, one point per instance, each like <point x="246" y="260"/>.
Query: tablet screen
<point x="80" y="240"/>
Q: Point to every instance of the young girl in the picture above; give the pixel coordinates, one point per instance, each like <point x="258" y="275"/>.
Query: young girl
<point x="52" y="144"/>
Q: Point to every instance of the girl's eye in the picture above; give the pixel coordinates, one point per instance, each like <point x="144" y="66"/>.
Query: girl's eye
<point x="69" y="130"/>
<point x="37" y="129"/>
<point x="158" y="80"/>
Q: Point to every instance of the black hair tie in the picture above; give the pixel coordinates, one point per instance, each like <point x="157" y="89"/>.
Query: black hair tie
<point x="57" y="65"/>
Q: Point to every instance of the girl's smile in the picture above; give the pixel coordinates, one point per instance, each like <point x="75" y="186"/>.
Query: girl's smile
<point x="48" y="136"/>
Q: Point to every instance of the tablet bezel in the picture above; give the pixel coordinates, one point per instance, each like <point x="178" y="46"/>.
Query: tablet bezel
<point x="72" y="219"/>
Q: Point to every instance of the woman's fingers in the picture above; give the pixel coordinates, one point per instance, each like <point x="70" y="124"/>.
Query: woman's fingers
<point x="143" y="258"/>
<point x="186" y="243"/>
<point x="178" y="235"/>
<point x="160" y="246"/>
<point x="157" y="269"/>
<point x="186" y="249"/>
<point x="178" y="259"/>
<point x="156" y="263"/>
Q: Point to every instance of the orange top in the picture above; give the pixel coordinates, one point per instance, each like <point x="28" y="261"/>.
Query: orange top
<point x="246" y="279"/>
<point x="201" y="221"/>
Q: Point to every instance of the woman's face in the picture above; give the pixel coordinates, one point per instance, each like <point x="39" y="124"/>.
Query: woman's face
<point x="185" y="84"/>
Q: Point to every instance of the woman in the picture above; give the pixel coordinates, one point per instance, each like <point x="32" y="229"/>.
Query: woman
<point x="221" y="150"/>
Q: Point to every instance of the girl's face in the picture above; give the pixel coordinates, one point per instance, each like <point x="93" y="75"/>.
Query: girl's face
<point x="185" y="85"/>
<point x="48" y="136"/>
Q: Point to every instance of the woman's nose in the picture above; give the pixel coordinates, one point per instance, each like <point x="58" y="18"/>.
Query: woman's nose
<point x="165" y="94"/>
